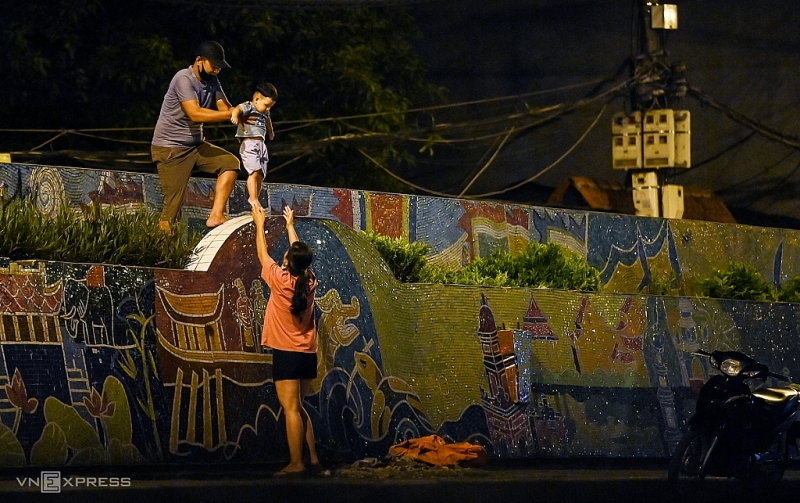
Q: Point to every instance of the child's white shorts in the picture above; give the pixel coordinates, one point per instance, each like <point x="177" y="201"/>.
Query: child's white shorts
<point x="253" y="152"/>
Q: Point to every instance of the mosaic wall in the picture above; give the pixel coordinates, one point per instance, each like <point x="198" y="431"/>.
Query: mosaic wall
<point x="102" y="364"/>
<point x="631" y="252"/>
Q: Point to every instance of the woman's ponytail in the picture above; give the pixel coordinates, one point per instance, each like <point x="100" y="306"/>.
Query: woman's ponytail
<point x="299" y="259"/>
<point x="300" y="297"/>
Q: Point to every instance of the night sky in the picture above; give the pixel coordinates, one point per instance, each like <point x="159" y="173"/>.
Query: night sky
<point x="502" y="59"/>
<point x="742" y="54"/>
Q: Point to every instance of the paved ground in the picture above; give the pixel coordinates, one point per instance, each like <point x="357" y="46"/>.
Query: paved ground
<point x="574" y="481"/>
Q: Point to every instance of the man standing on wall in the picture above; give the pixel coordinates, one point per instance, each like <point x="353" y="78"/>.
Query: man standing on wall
<point x="193" y="98"/>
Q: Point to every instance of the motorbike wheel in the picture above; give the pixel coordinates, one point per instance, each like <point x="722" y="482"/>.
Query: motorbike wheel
<point x="764" y="475"/>
<point x="686" y="463"/>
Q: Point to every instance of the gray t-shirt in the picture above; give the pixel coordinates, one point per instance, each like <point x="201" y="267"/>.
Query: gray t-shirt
<point x="257" y="130"/>
<point x="174" y="128"/>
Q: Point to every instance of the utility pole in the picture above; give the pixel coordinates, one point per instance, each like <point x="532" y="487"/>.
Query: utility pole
<point x="653" y="136"/>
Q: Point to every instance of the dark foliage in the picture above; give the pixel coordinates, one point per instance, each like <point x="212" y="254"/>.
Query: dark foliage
<point x="78" y="64"/>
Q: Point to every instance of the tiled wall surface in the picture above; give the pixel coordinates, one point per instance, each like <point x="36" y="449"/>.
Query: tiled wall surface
<point x="105" y="364"/>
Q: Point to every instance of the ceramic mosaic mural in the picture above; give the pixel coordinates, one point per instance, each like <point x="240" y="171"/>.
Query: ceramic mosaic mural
<point x="117" y="365"/>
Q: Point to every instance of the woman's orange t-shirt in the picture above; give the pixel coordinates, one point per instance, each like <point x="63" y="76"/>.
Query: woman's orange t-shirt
<point x="282" y="329"/>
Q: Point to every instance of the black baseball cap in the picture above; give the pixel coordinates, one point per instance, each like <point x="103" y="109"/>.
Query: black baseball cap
<point x="213" y="52"/>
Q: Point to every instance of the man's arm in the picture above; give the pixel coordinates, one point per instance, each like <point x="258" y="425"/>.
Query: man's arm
<point x="196" y="113"/>
<point x="222" y="104"/>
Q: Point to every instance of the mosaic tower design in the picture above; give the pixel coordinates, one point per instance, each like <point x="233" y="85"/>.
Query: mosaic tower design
<point x="507" y="418"/>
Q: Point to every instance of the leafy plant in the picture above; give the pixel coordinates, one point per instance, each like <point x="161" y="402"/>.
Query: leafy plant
<point x="406" y="260"/>
<point x="661" y="282"/>
<point x="93" y="235"/>
<point x="790" y="291"/>
<point x="358" y="61"/>
<point x="738" y="281"/>
<point x="550" y="265"/>
<point x="547" y="265"/>
<point x="470" y="275"/>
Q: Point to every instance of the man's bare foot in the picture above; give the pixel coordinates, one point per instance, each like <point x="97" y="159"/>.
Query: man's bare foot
<point x="215" y="221"/>
<point x="254" y="203"/>
<point x="163" y="225"/>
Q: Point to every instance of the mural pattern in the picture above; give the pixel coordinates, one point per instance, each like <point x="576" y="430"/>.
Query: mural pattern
<point x="119" y="365"/>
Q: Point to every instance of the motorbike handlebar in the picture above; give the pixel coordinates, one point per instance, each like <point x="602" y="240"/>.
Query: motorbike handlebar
<point x="780" y="377"/>
<point x="763" y="371"/>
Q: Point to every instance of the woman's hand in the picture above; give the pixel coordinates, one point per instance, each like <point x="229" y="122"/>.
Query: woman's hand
<point x="258" y="215"/>
<point x="261" y="240"/>
<point x="288" y="214"/>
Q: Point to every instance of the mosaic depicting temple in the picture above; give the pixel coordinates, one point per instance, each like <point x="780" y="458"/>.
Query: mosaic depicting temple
<point x="106" y="364"/>
<point x="520" y="428"/>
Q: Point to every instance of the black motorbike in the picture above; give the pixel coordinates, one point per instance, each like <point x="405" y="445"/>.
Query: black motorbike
<point x="737" y="432"/>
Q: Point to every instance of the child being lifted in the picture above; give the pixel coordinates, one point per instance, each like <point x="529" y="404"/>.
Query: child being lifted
<point x="253" y="149"/>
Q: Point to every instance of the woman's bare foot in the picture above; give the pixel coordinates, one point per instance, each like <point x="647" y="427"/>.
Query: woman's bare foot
<point x="289" y="469"/>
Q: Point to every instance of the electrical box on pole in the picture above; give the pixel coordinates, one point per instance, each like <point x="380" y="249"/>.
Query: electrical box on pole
<point x="664" y="16"/>
<point x="658" y="139"/>
<point x="683" y="139"/>
<point x="672" y="201"/>
<point x="626" y="140"/>
<point x="646" y="194"/>
<point x="654" y="136"/>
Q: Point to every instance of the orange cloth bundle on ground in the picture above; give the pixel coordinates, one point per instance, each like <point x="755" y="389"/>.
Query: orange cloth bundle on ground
<point x="435" y="451"/>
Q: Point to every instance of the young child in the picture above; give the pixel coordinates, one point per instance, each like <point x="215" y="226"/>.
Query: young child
<point x="253" y="149"/>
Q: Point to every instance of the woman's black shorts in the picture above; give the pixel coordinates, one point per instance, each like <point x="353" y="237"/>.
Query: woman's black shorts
<point x="293" y="365"/>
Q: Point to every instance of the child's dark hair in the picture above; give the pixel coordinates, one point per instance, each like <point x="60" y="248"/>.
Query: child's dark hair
<point x="299" y="258"/>
<point x="267" y="90"/>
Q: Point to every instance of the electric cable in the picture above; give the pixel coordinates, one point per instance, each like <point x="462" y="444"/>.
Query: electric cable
<point x="529" y="119"/>
<point x="716" y="156"/>
<point x="552" y="165"/>
<point x="403" y="180"/>
<point x="489" y="162"/>
<point x="743" y="119"/>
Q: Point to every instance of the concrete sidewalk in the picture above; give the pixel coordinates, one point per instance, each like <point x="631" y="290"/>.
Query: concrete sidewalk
<point x="618" y="481"/>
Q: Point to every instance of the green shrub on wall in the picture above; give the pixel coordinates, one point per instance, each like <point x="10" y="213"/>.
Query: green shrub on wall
<point x="93" y="235"/>
<point x="547" y="265"/>
<point x="406" y="260"/>
<point x="476" y="273"/>
<point x="662" y="283"/>
<point x="738" y="281"/>
<point x="790" y="291"/>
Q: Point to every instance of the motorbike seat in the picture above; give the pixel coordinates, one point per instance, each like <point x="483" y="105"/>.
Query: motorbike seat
<point x="775" y="394"/>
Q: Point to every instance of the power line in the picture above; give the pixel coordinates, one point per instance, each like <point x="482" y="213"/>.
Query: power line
<point x="307" y="122"/>
<point x="494" y="156"/>
<point x="512" y="124"/>
<point x="552" y="165"/>
<point x="763" y="130"/>
<point x="403" y="180"/>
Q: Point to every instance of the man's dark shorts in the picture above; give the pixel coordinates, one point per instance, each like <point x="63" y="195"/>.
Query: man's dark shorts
<point x="176" y="164"/>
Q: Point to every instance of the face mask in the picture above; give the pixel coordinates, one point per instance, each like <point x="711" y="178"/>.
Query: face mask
<point x="204" y="75"/>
